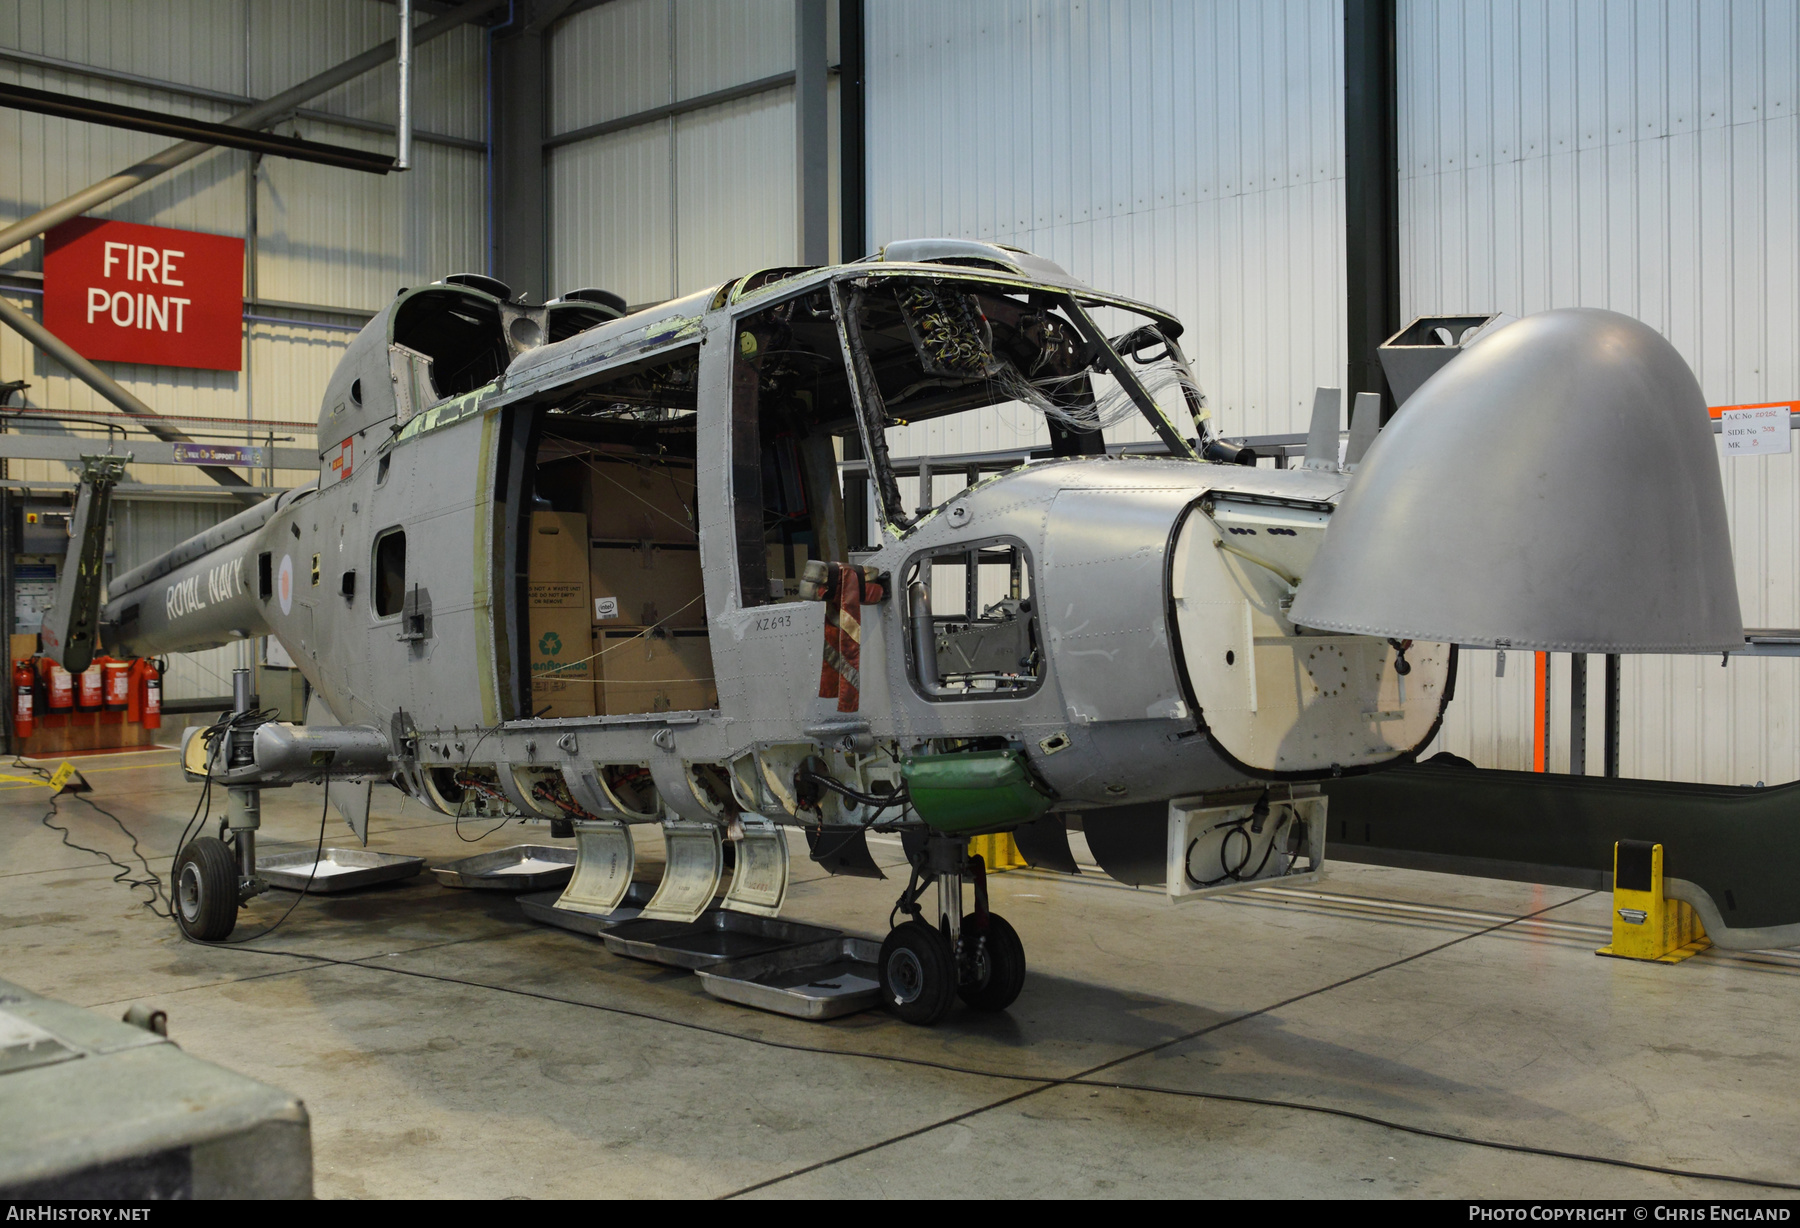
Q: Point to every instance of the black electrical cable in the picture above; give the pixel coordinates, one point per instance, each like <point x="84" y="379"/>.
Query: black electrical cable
<point x="881" y="801"/>
<point x="1235" y="873"/>
<point x="456" y="822"/>
<point x="124" y="871"/>
<point x="318" y="852"/>
<point x="203" y="804"/>
<point x="158" y="889"/>
<point x="152" y="880"/>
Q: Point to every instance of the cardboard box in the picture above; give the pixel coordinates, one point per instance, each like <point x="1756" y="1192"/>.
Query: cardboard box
<point x="631" y="586"/>
<point x="637" y="500"/>
<point x="658" y="672"/>
<point x="562" y="669"/>
<point x="562" y="639"/>
<point x="556" y="570"/>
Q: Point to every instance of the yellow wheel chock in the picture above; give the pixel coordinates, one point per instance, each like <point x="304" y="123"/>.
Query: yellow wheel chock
<point x="1645" y="923"/>
<point x="999" y="852"/>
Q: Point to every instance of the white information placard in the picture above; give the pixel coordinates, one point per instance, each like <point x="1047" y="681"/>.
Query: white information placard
<point x="1755" y="430"/>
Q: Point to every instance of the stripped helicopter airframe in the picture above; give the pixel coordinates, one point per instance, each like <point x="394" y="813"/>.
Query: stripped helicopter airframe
<point x="604" y="569"/>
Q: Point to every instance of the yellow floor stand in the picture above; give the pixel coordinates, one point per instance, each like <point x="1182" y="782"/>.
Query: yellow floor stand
<point x="999" y="852"/>
<point x="1646" y="924"/>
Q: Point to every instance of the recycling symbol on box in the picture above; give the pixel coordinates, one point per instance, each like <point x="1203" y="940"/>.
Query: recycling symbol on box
<point x="550" y="644"/>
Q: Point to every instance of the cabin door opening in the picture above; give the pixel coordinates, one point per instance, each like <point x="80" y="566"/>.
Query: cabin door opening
<point x="793" y="424"/>
<point x="616" y="608"/>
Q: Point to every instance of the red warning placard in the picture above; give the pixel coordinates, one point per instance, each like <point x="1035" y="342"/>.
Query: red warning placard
<point x="123" y="292"/>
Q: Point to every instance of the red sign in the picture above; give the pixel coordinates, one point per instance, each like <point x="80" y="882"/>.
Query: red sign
<point x="344" y="461"/>
<point x="128" y="293"/>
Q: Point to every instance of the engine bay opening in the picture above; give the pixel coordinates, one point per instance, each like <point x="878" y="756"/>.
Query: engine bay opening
<point x="459" y="331"/>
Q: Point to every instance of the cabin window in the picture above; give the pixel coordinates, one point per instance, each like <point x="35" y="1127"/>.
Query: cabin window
<point x="793" y="423"/>
<point x="972" y="622"/>
<point x="390" y="573"/>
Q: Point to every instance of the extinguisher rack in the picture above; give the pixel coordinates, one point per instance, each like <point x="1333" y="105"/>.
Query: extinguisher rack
<point x="92" y="705"/>
<point x="118" y="708"/>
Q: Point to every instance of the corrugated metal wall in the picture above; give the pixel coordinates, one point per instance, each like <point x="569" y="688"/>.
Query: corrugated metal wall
<point x="335" y="238"/>
<point x="1186" y="154"/>
<point x="331" y="238"/>
<point x="1643" y="158"/>
<point x="679" y="203"/>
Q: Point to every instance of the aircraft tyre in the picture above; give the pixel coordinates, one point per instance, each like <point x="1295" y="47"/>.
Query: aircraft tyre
<point x="999" y="972"/>
<point x="918" y="973"/>
<point x="206" y="889"/>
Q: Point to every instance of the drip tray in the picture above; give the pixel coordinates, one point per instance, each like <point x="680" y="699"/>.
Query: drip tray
<point x="523" y="867"/>
<point x="336" y="870"/>
<point x="817" y="980"/>
<point x="541" y="907"/>
<point x="718" y="935"/>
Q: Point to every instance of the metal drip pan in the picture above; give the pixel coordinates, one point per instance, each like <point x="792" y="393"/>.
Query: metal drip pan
<point x="818" y="980"/>
<point x="523" y="867"/>
<point x="338" y="870"/>
<point x="541" y="907"/>
<point x="718" y="935"/>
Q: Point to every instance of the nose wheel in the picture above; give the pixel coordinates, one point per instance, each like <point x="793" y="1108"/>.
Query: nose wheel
<point x="206" y="889"/>
<point x="995" y="971"/>
<point x="918" y="973"/>
<point x="977" y="957"/>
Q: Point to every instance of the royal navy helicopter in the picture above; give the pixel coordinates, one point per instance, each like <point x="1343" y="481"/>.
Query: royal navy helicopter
<point x="679" y="567"/>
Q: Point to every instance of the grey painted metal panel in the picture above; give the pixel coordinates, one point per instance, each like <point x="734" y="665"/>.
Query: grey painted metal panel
<point x="144" y="529"/>
<point x="1104" y="602"/>
<point x="1555" y="487"/>
<point x="124" y="1099"/>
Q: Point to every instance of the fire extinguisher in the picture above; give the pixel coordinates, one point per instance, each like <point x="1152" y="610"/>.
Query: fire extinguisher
<point x="146" y="694"/>
<point x="62" y="689"/>
<point x="90" y="692"/>
<point x="153" y="672"/>
<point x="115" y="682"/>
<point x="24" y="696"/>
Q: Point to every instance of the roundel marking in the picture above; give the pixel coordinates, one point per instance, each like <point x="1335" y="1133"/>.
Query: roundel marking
<point x="284" y="584"/>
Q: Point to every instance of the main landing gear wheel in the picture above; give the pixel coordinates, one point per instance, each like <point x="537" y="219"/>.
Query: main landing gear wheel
<point x="997" y="969"/>
<point x="206" y="889"/>
<point x="918" y="973"/>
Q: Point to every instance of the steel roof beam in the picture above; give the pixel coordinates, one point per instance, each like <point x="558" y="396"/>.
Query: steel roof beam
<point x="137" y="119"/>
<point x="202" y="94"/>
<point x="257" y="116"/>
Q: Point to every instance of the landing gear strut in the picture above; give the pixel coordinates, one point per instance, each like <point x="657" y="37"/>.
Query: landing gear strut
<point x="979" y="957"/>
<point x="212" y="878"/>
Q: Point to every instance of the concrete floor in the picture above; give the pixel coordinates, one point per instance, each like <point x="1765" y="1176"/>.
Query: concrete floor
<point x="448" y="1047"/>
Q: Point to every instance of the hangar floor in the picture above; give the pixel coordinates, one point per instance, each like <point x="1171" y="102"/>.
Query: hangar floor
<point x="1317" y="1041"/>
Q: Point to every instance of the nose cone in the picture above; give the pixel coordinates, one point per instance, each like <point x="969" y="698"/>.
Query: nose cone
<point x="1555" y="487"/>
